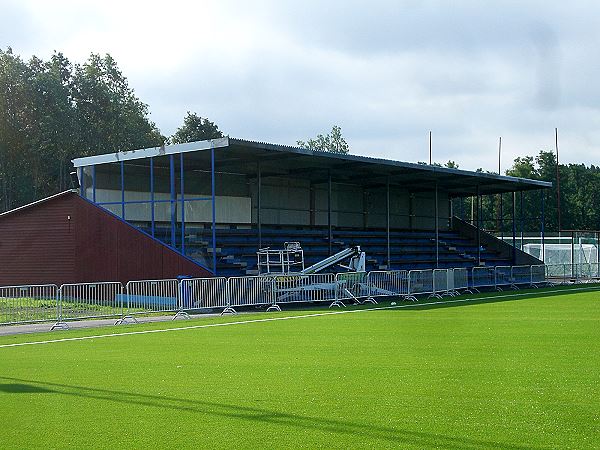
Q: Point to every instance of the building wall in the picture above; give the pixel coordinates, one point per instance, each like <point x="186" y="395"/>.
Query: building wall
<point x="68" y="240"/>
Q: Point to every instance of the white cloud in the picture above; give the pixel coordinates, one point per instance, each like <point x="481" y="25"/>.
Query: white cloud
<point x="387" y="72"/>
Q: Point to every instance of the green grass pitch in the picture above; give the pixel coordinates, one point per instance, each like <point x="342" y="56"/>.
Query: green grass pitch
<point x="523" y="372"/>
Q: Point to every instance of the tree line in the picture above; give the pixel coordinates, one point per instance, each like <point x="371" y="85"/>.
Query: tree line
<point x="54" y="111"/>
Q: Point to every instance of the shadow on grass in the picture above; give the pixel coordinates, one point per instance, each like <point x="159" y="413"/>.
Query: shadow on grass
<point x="364" y="430"/>
<point x="21" y="388"/>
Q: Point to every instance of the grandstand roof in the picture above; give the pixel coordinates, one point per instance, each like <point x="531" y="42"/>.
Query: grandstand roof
<point x="241" y="156"/>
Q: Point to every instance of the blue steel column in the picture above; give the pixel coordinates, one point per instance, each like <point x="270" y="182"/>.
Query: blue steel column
<point x="478" y="227"/>
<point x="122" y="190"/>
<point x="81" y="183"/>
<point x="387" y="222"/>
<point x="437" y="229"/>
<point x="152" y="194"/>
<point x="214" y="211"/>
<point x="173" y="200"/>
<point x="182" y="204"/>
<point x="94" y="183"/>
<point x="514" y="227"/>
<point x="543" y="230"/>
<point x="522" y="220"/>
<point x="258" y="203"/>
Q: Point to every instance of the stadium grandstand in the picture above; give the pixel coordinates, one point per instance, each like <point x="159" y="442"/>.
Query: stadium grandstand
<point x="217" y="202"/>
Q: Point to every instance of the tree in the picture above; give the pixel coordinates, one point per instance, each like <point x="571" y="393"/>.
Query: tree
<point x="333" y="142"/>
<point x="195" y="128"/>
<point x="52" y="111"/>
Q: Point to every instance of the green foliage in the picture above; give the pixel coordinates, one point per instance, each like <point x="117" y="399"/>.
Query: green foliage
<point x="500" y="375"/>
<point x="52" y="112"/>
<point x="195" y="128"/>
<point x="333" y="142"/>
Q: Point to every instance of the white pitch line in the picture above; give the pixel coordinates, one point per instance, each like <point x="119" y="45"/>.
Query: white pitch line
<point x="273" y="319"/>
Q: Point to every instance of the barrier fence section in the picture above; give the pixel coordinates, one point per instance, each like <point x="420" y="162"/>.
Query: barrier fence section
<point x="203" y="293"/>
<point x="90" y="300"/>
<point x="250" y="291"/>
<point x="419" y="282"/>
<point x="461" y="280"/>
<point x="44" y="303"/>
<point x="151" y="296"/>
<point x="350" y="286"/>
<point x="318" y="287"/>
<point x="440" y="283"/>
<point x="28" y="303"/>
<point x="390" y="283"/>
<point x="538" y="275"/>
<point x="520" y="275"/>
<point x="483" y="277"/>
<point x="503" y="277"/>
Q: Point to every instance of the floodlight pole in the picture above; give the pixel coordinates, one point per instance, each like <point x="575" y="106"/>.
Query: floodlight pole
<point x="501" y="199"/>
<point x="557" y="181"/>
<point x="430" y="154"/>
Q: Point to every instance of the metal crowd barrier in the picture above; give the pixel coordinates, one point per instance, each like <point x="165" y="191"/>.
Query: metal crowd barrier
<point x="440" y="283"/>
<point x="318" y="287"/>
<point x="482" y="277"/>
<point x="503" y="277"/>
<point x="28" y="304"/>
<point x="150" y="296"/>
<point x="203" y="293"/>
<point x="461" y="280"/>
<point x="250" y="291"/>
<point x="43" y="303"/>
<point x="350" y="286"/>
<point x="390" y="283"/>
<point x="538" y="275"/>
<point x="520" y="275"/>
<point x="90" y="300"/>
<point x="419" y="282"/>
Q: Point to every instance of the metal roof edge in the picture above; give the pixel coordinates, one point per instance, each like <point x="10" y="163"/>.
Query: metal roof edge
<point x="388" y="162"/>
<point x="37" y="202"/>
<point x="150" y="152"/>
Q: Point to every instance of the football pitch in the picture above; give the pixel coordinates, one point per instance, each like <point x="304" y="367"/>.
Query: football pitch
<point x="504" y="372"/>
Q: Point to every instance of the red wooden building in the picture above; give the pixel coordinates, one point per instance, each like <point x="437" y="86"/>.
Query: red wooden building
<point x="67" y="239"/>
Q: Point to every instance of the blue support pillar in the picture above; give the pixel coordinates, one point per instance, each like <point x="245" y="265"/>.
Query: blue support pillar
<point x="522" y="220"/>
<point x="81" y="183"/>
<point x="214" y="211"/>
<point x="122" y="190"/>
<point x="542" y="224"/>
<point x="514" y="227"/>
<point x="182" y="203"/>
<point x="478" y="227"/>
<point x="94" y="183"/>
<point x="152" y="194"/>
<point x="173" y="200"/>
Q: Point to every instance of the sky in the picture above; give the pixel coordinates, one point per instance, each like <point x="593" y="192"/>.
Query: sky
<point x="387" y="72"/>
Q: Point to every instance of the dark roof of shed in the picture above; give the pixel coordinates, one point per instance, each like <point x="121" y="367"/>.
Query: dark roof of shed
<point x="241" y="156"/>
